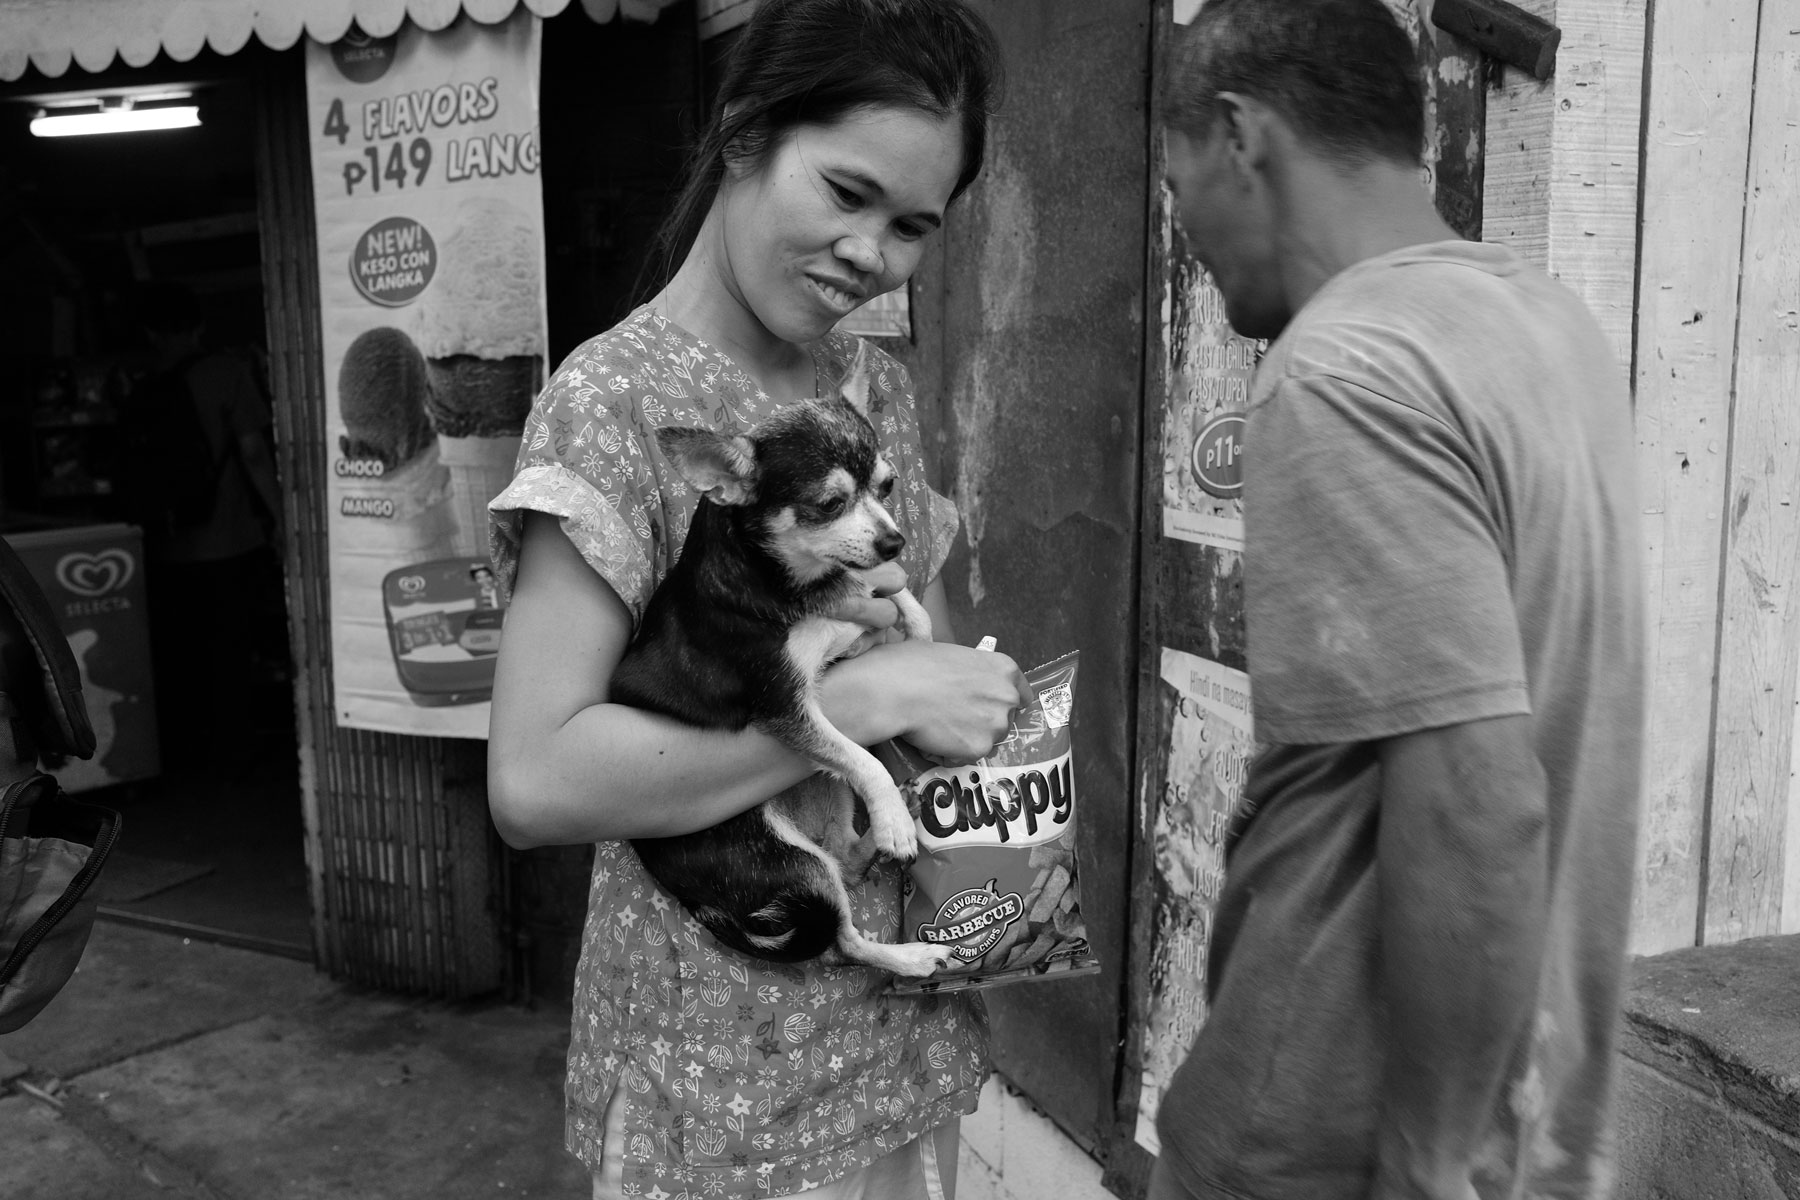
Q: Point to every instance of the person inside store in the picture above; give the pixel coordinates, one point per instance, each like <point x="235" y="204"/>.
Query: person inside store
<point x="200" y="480"/>
<point x="1416" y="969"/>
<point x="842" y="133"/>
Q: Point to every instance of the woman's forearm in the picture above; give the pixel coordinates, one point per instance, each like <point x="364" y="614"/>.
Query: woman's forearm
<point x="566" y="767"/>
<point x="617" y="772"/>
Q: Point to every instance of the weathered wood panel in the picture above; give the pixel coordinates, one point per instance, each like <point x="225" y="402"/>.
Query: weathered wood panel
<point x="1594" y="158"/>
<point x="1695" y="148"/>
<point x="291" y="282"/>
<point x="1759" y="638"/>
<point x="1515" y="196"/>
<point x="1561" y="184"/>
<point x="1790" y="903"/>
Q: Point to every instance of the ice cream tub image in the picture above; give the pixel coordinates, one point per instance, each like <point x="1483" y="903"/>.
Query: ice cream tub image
<point x="480" y="329"/>
<point x="444" y="619"/>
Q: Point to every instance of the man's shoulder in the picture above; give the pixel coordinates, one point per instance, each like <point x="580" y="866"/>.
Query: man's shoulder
<point x="1427" y="329"/>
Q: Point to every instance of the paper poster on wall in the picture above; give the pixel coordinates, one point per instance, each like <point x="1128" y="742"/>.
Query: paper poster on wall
<point x="1209" y="370"/>
<point x="431" y="290"/>
<point x="1203" y="422"/>
<point x="1206" y="725"/>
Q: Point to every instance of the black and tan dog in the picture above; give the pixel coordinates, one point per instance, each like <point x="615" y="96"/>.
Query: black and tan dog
<point x="738" y="634"/>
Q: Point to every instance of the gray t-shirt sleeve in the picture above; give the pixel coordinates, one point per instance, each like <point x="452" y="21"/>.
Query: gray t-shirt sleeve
<point x="1377" y="592"/>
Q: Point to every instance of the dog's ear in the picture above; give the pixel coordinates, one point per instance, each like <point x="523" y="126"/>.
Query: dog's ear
<point x="855" y="389"/>
<point x="720" y="466"/>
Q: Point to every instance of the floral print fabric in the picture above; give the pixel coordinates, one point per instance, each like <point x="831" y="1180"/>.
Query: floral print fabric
<point x="742" y="1078"/>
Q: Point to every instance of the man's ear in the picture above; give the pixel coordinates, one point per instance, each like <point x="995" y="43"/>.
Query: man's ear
<point x="722" y="467"/>
<point x="855" y="389"/>
<point x="1244" y="124"/>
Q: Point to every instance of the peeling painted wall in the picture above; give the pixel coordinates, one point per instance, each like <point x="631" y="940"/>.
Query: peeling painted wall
<point x="1029" y="320"/>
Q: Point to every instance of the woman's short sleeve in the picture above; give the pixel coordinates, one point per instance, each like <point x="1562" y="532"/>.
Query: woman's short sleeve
<point x="584" y="459"/>
<point x="589" y="455"/>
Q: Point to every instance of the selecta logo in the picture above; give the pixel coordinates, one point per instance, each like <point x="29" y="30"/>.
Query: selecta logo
<point x="993" y="806"/>
<point x="971" y="921"/>
<point x="94" y="575"/>
<point x="361" y="58"/>
<point x="412" y="585"/>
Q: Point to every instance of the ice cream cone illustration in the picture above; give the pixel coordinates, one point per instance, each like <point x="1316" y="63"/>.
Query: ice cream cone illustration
<point x="480" y="327"/>
<point x="395" y="505"/>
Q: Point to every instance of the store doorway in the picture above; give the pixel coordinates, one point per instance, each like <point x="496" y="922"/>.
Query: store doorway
<point x="136" y="466"/>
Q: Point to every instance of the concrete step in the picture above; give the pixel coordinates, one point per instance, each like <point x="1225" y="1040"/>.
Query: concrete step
<point x="1709" y="1100"/>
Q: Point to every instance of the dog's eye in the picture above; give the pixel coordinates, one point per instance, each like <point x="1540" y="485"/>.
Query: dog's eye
<point x="831" y="506"/>
<point x="886" y="488"/>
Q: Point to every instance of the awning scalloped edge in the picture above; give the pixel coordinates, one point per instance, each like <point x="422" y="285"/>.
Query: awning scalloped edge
<point x="52" y="34"/>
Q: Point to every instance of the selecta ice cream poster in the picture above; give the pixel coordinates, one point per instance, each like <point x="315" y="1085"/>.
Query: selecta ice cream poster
<point x="431" y="289"/>
<point x="1204" y="716"/>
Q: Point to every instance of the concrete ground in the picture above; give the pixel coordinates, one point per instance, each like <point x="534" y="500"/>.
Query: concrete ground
<point x="177" y="1068"/>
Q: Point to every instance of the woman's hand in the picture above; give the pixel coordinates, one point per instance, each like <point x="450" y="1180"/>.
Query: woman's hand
<point x="953" y="703"/>
<point x="874" y="612"/>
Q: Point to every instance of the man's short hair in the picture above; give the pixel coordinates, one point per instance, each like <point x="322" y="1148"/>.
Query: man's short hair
<point x="1343" y="73"/>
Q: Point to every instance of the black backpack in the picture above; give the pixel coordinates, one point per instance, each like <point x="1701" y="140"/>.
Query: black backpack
<point x="51" y="847"/>
<point x="171" y="470"/>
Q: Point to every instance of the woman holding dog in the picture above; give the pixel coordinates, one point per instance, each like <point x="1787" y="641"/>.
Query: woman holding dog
<point x="844" y="129"/>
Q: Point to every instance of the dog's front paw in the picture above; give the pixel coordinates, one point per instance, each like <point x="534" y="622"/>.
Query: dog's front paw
<point x="891" y="832"/>
<point x="915" y="622"/>
<point x="919" y="958"/>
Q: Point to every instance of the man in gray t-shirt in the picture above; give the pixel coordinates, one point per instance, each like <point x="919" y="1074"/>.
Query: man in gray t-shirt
<point x="1419" y="951"/>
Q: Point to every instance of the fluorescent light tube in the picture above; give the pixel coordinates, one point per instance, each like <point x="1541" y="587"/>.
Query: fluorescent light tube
<point x="116" y="120"/>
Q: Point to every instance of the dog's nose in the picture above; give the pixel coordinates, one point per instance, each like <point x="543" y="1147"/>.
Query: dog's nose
<point x="888" y="545"/>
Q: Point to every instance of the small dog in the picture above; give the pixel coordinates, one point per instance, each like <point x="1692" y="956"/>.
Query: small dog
<point x="738" y="635"/>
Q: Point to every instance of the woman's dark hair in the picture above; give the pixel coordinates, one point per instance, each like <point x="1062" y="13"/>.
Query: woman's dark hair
<point x="812" y="62"/>
<point x="1342" y="72"/>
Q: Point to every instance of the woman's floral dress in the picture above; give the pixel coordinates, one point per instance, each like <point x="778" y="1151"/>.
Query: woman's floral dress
<point x="742" y="1078"/>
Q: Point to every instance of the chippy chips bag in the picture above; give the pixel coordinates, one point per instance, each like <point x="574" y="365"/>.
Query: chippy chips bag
<point x="995" y="877"/>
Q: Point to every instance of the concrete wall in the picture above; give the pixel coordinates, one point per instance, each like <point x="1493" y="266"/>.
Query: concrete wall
<point x="1709" y="1096"/>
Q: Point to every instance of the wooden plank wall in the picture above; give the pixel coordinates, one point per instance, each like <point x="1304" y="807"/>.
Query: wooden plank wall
<point x="1697" y="136"/>
<point x="1561" y="182"/>
<point x="1751" y="816"/>
<point x="1701" y="302"/>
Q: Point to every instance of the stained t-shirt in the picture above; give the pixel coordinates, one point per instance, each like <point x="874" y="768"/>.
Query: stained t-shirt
<point x="741" y="1077"/>
<point x="1440" y="528"/>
